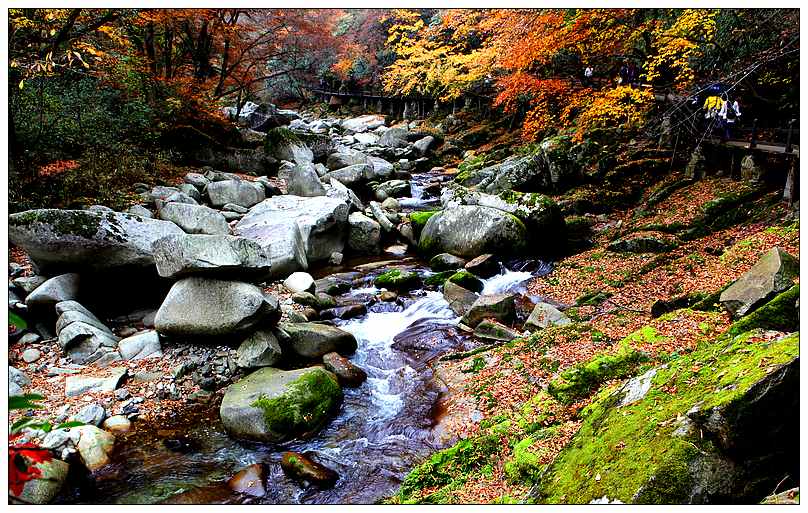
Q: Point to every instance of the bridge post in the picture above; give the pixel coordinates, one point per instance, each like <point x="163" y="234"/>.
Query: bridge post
<point x="753" y="141"/>
<point x="791" y="189"/>
<point x="790" y="133"/>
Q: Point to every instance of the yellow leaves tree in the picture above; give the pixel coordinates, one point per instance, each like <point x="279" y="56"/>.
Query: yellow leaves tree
<point x="622" y="106"/>
<point x="436" y="59"/>
<point x="677" y="45"/>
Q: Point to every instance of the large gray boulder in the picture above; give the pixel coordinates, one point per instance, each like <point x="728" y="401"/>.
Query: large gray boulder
<point x="772" y="274"/>
<point x="313" y="340"/>
<point x="87" y="240"/>
<point x="211" y="255"/>
<point x="382" y="169"/>
<point x="260" y="349"/>
<point x="83" y="337"/>
<point x="545" y="315"/>
<point x="195" y="218"/>
<point x="345" y="158"/>
<point x="364" y="234"/>
<point x="141" y="345"/>
<point x="541" y="215"/>
<point x="393" y="189"/>
<point x="271" y="405"/>
<point x="352" y="176"/>
<point x="296" y="230"/>
<point x="469" y="231"/>
<point x="239" y="192"/>
<point x="206" y="307"/>
<point x="394" y="138"/>
<point x="59" y="288"/>
<point x="303" y="181"/>
<point x="459" y="298"/>
<point x="363" y="123"/>
<point x="338" y="191"/>
<point x="495" y="306"/>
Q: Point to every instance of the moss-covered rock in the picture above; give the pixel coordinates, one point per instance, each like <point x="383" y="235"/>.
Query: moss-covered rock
<point x="438" y="279"/>
<point x="668" y="445"/>
<point x="396" y="279"/>
<point x="469" y="231"/>
<point x="781" y="313"/>
<point x="467" y="280"/>
<point x="271" y="405"/>
<point x="419" y="219"/>
<point x="577" y="382"/>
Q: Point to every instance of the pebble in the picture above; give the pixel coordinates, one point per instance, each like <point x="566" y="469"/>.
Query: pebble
<point x="29" y="338"/>
<point x="31" y="355"/>
<point x="121" y="394"/>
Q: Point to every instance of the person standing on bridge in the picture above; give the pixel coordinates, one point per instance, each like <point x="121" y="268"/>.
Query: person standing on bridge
<point x="730" y="112"/>
<point x="588" y="76"/>
<point x="633" y="75"/>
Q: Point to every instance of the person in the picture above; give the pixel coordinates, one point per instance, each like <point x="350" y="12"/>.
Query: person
<point x="731" y="113"/>
<point x="633" y="75"/>
<point x="623" y="74"/>
<point x="588" y="76"/>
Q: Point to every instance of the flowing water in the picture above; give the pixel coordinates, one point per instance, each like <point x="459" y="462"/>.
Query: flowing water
<point x="384" y="428"/>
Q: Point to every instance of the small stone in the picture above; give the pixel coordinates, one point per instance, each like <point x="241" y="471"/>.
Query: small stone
<point x="347" y="373"/>
<point x="92" y="414"/>
<point x="31" y="355"/>
<point x="117" y="424"/>
<point x="299" y="282"/>
<point x="302" y="468"/>
<point x="249" y="481"/>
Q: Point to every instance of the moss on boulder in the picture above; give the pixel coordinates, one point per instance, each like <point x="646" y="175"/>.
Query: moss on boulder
<point x="396" y="279"/>
<point x="467" y="280"/>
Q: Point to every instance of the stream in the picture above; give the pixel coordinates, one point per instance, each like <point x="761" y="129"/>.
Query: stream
<point x="384" y="428"/>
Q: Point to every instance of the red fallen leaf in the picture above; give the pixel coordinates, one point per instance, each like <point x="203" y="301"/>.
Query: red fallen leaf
<point x="22" y="460"/>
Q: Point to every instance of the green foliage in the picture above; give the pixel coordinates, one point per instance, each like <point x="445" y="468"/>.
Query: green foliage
<point x="467" y="280"/>
<point x="780" y="313"/>
<point x="419" y="219"/>
<point x="16" y="321"/>
<point x="396" y="279"/>
<point x="25" y="402"/>
<point x="438" y="279"/>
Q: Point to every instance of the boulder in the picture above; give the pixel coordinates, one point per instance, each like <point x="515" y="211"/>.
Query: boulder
<point x="364" y="234"/>
<point x="48" y="475"/>
<point x="303" y="181"/>
<point x="773" y="273"/>
<point x="82" y="239"/>
<point x="301" y="467"/>
<point x="60" y="288"/>
<point x="195" y="218"/>
<point x="338" y="191"/>
<point x="271" y="405"/>
<point x="485" y="266"/>
<point x="398" y="280"/>
<point x="382" y="169"/>
<point x="423" y="145"/>
<point x="541" y="215"/>
<point x="78" y="385"/>
<point x="467" y="280"/>
<point x="469" y="231"/>
<point x="198" y="180"/>
<point x="642" y="244"/>
<point x="545" y="315"/>
<point x="343" y="159"/>
<point x="117" y="424"/>
<point x="92" y="414"/>
<point x="495" y="306"/>
<point x="207" y="307"/>
<point x="17" y="381"/>
<point x="249" y="481"/>
<point x="211" y="255"/>
<point x="141" y="345"/>
<point x="459" y="299"/>
<point x="348" y="374"/>
<point x="446" y="262"/>
<point x="393" y="189"/>
<point x="287" y="224"/>
<point x="140" y="210"/>
<point x="261" y="349"/>
<point x="94" y="447"/>
<point x="363" y="123"/>
<point x="381" y="217"/>
<point x="83" y="337"/>
<point x="351" y="176"/>
<point x="299" y="282"/>
<point x="343" y="312"/>
<point x="313" y="340"/>
<point x="394" y="138"/>
<point x="239" y="192"/>
<point x="493" y="330"/>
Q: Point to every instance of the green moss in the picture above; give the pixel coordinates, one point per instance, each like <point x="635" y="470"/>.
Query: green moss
<point x="577" y="382"/>
<point x="723" y="212"/>
<point x="419" y="219"/>
<point x="447" y="469"/>
<point x="632" y="447"/>
<point x="592" y="298"/>
<point x="780" y="314"/>
<point x="396" y="279"/>
<point x="438" y="279"/>
<point x="467" y="280"/>
<point x="80" y="223"/>
<point x="524" y="465"/>
<point x="304" y="407"/>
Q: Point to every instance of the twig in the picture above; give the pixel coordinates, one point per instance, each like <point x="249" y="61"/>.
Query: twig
<point x="778" y="484"/>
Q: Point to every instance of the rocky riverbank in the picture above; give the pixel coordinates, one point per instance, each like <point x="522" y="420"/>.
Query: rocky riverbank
<point x="337" y="319"/>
